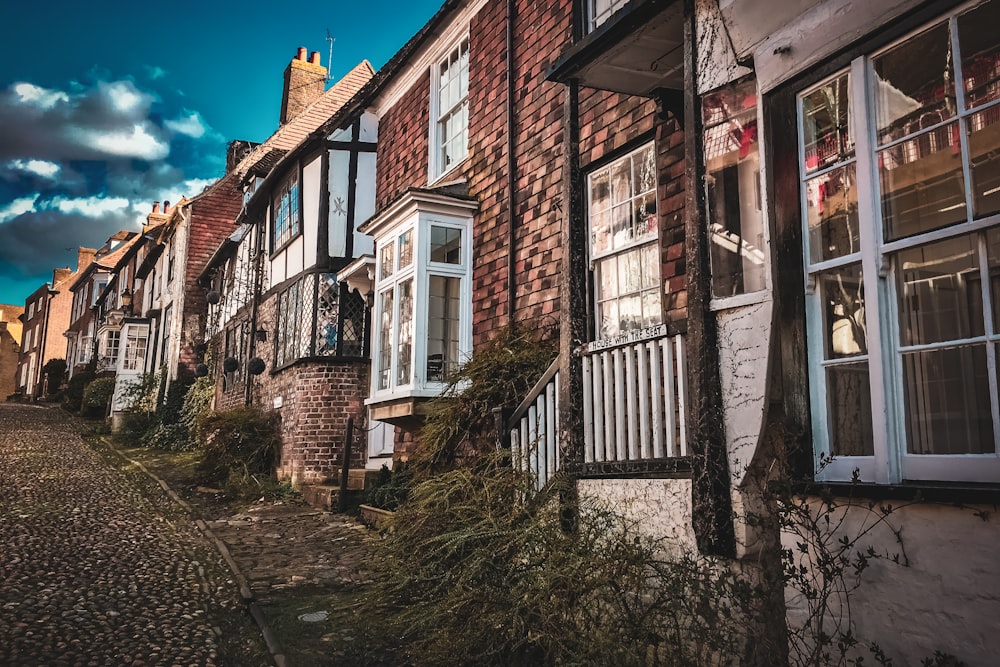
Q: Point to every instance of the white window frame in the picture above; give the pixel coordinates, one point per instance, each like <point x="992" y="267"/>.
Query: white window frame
<point x="136" y="340"/>
<point x="597" y="16"/>
<point x="890" y="462"/>
<point x="420" y="270"/>
<point x="648" y="240"/>
<point x="436" y="166"/>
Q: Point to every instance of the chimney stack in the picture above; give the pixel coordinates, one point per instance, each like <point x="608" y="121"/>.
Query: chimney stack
<point x="156" y="207"/>
<point x="84" y="257"/>
<point x="305" y="81"/>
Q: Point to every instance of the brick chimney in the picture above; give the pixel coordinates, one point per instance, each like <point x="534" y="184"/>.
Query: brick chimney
<point x="84" y="257"/>
<point x="305" y="81"/>
<point x="59" y="275"/>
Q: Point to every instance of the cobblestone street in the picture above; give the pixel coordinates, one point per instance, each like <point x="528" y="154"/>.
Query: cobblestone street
<point x="93" y="570"/>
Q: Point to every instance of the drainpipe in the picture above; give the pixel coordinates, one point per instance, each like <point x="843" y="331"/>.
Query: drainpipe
<point x="511" y="165"/>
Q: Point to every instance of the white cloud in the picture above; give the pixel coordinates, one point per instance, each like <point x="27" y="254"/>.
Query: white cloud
<point x="136" y="142"/>
<point x="43" y="98"/>
<point x="17" y="207"/>
<point x="42" y="168"/>
<point x="91" y="207"/>
<point x="125" y="97"/>
<point x="191" y="125"/>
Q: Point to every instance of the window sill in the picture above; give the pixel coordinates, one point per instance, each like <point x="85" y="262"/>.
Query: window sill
<point x="932" y="492"/>
<point x="740" y="300"/>
<point x="439" y="180"/>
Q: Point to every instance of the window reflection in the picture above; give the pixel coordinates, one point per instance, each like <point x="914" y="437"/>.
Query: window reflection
<point x="939" y="291"/>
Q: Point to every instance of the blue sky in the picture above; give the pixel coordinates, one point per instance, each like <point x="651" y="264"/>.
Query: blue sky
<point x="107" y="106"/>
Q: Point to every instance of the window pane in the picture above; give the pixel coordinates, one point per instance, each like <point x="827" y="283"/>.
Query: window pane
<point x="977" y="38"/>
<point x="622" y="230"/>
<point x="922" y="183"/>
<point x="914" y="84"/>
<point x="948" y="401"/>
<point x="385" y="341"/>
<point x="849" y="410"/>
<point x="446" y="245"/>
<point x="845" y="332"/>
<point x="650" y="258"/>
<point x="939" y="290"/>
<point x="825" y="115"/>
<point x="387" y="263"/>
<point x="993" y="245"/>
<point x="608" y="325"/>
<point x="405" y="248"/>
<point x="327" y="315"/>
<point x="629" y="275"/>
<point x="644" y="170"/>
<point x="442" y="327"/>
<point x="405" y="341"/>
<point x="832" y="213"/>
<point x="607" y="278"/>
<point x="736" y="226"/>
<point x="984" y="160"/>
<point x="630" y="313"/>
<point x="651" y="308"/>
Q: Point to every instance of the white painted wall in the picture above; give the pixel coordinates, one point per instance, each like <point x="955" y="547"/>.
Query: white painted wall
<point x="947" y="599"/>
<point x="364" y="206"/>
<point x="339" y="193"/>
<point x="311" y="184"/>
<point x="660" y="508"/>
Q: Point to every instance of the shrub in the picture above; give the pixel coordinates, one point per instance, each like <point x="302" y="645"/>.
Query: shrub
<point x="97" y="397"/>
<point x="479" y="570"/>
<point x="391" y="488"/>
<point x="74" y="390"/>
<point x="240" y="448"/>
<point x="499" y="374"/>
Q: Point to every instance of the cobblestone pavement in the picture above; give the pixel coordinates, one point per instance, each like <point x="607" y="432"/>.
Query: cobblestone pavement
<point x="285" y="546"/>
<point x="92" y="570"/>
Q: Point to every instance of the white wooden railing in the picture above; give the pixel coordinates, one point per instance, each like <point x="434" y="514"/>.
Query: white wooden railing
<point x="634" y="398"/>
<point x="534" y="429"/>
<point x="634" y="401"/>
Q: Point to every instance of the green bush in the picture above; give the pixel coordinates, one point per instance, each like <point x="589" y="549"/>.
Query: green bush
<point x="391" y="487"/>
<point x="460" y="422"/>
<point x="97" y="397"/>
<point x="479" y="570"/>
<point x="73" y="398"/>
<point x="240" y="448"/>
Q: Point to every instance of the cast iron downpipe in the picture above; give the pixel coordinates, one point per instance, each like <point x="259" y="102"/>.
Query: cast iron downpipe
<point x="511" y="165"/>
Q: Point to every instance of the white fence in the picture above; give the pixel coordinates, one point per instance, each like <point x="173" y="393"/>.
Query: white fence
<point x="634" y="399"/>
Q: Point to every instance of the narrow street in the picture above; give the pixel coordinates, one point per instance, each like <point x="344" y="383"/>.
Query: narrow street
<point x="95" y="572"/>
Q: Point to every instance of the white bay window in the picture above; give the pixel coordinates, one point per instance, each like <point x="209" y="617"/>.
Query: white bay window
<point x="422" y="295"/>
<point x="900" y="194"/>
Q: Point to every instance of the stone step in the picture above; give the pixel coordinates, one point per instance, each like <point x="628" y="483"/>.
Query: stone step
<point x="326" y="496"/>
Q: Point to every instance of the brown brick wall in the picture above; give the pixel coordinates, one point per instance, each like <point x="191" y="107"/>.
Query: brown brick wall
<point x="317" y="397"/>
<point x="402" y="144"/>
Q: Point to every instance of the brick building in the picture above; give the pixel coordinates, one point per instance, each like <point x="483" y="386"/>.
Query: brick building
<point x="46" y="317"/>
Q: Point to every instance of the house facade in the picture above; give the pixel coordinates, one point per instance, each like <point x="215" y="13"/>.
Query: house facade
<point x="695" y="194"/>
<point x="87" y="288"/>
<point x="286" y="334"/>
<point x="46" y="316"/>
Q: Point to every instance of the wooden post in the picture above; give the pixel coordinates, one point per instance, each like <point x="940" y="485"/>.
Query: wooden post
<point x="345" y="468"/>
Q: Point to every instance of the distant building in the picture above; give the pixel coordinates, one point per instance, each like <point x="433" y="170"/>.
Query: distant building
<point x="10" y="334"/>
<point x="46" y="317"/>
